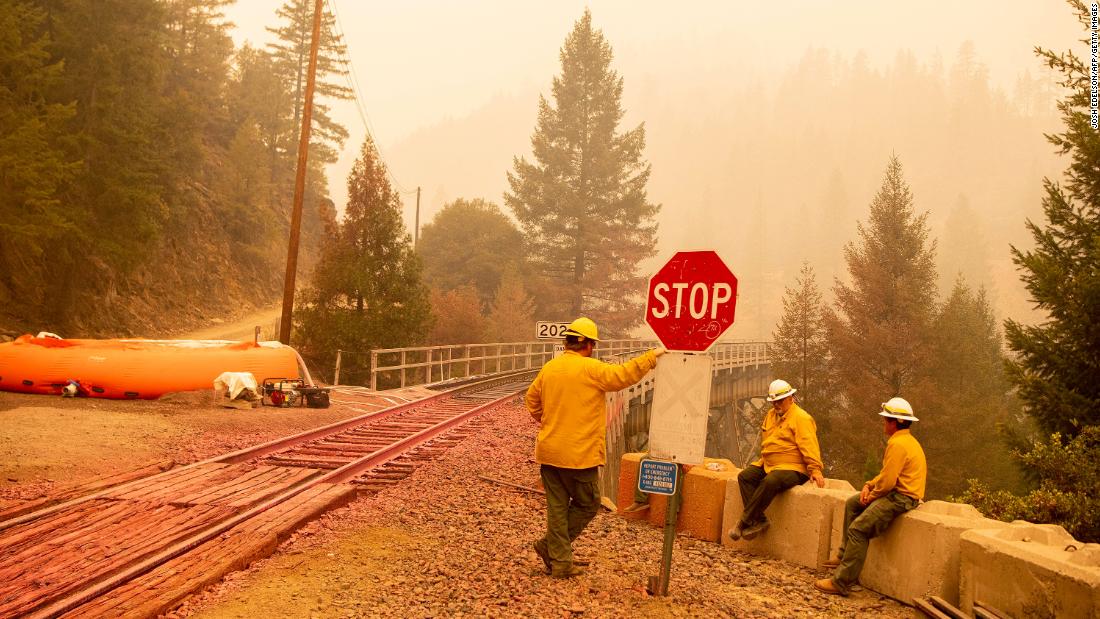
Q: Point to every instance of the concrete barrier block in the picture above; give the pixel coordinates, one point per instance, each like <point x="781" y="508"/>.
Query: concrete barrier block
<point x="919" y="554"/>
<point x="802" y="522"/>
<point x="841" y="491"/>
<point x="704" y="489"/>
<point x="628" y="481"/>
<point x="1030" y="570"/>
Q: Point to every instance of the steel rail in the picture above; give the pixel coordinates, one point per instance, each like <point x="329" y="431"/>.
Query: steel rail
<point x="57" y="607"/>
<point x="263" y="449"/>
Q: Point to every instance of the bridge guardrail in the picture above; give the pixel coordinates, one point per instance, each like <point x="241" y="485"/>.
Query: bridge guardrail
<point x="420" y="365"/>
<point x="629" y="407"/>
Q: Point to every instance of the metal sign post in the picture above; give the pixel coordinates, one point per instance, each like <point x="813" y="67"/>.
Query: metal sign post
<point x="690" y="305"/>
<point x="671" y="515"/>
<point x="660" y="477"/>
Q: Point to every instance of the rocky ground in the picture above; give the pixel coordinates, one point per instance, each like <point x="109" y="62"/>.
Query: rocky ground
<point x="444" y="543"/>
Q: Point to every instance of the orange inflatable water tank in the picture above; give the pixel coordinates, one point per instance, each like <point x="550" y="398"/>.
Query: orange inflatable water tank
<point x="144" y="369"/>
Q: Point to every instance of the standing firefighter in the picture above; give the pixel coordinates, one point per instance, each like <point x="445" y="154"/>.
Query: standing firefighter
<point x="789" y="455"/>
<point x="898" y="488"/>
<point x="567" y="399"/>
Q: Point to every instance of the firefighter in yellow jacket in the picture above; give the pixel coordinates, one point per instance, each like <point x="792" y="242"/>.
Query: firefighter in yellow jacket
<point x="567" y="400"/>
<point x="789" y="455"/>
<point x="898" y="488"/>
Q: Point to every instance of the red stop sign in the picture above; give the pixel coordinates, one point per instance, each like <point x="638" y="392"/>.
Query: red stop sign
<point x="691" y="301"/>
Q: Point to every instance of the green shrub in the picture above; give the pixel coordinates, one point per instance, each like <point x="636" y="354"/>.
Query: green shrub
<point x="1068" y="493"/>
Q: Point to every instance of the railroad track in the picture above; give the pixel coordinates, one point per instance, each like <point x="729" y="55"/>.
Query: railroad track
<point x="138" y="548"/>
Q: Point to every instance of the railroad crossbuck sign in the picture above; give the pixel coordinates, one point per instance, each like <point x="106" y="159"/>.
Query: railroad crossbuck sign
<point x="691" y="301"/>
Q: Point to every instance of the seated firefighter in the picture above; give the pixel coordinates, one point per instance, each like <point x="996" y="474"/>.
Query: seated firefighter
<point x="898" y="488"/>
<point x="789" y="455"/>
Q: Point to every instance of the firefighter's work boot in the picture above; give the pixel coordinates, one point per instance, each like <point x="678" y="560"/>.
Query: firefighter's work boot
<point x="826" y="585"/>
<point x="544" y="554"/>
<point x="735" y="532"/>
<point x="755" y="529"/>
<point x="566" y="572"/>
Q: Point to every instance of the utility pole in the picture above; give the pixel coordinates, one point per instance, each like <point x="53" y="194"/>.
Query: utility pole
<point x="416" y="230"/>
<point x="300" y="181"/>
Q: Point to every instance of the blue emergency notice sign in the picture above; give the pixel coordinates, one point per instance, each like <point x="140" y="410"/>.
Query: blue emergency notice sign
<point x="657" y="477"/>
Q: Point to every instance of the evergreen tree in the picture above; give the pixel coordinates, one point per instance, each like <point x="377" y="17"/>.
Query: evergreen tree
<point x="470" y="242"/>
<point x="582" y="203"/>
<point x="800" y="351"/>
<point x="1057" y="362"/>
<point x="511" y="315"/>
<point x="34" y="166"/>
<point x="291" y="55"/>
<point x="964" y="248"/>
<point x="879" y="331"/>
<point x="258" y="96"/>
<point x="120" y="197"/>
<point x="197" y="49"/>
<point x="456" y="317"/>
<point x="367" y="292"/>
<point x="969" y="398"/>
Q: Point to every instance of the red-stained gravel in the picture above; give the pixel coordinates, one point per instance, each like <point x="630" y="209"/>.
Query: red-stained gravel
<point x="443" y="543"/>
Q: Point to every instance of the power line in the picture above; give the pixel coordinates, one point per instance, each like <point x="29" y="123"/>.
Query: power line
<point x="353" y="83"/>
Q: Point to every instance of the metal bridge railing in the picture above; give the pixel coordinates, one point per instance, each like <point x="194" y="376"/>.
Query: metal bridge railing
<point x="404" y="367"/>
<point x="628" y="411"/>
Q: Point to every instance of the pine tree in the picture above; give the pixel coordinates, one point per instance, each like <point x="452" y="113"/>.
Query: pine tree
<point x="367" y="291"/>
<point x="257" y="95"/>
<point x="880" y="328"/>
<point x="291" y="54"/>
<point x="968" y="390"/>
<point x="511" y="315"/>
<point x="582" y="203"/>
<point x="197" y="49"/>
<point x="119" y="199"/>
<point x="470" y="242"/>
<point x="34" y="166"/>
<point x="1057" y="362"/>
<point x="800" y="351"/>
<point x="964" y="248"/>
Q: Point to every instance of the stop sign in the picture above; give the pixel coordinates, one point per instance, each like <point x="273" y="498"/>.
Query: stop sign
<point x="691" y="301"/>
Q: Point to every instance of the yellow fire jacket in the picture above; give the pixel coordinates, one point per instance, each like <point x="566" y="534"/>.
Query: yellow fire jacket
<point x="567" y="399"/>
<point x="789" y="443"/>
<point x="903" y="468"/>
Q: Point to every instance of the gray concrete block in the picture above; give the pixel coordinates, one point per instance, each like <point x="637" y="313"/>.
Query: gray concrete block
<point x="1030" y="570"/>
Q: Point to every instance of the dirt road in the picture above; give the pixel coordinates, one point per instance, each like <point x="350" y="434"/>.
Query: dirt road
<point x="241" y="329"/>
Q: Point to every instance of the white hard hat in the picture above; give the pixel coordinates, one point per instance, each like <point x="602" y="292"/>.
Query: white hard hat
<point x="780" y="389"/>
<point x="898" y="408"/>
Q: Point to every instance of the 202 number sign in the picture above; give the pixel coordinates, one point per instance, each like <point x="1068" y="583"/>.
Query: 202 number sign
<point x="550" y="330"/>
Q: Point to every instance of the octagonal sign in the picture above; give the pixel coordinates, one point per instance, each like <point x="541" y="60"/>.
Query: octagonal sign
<point x="691" y="301"/>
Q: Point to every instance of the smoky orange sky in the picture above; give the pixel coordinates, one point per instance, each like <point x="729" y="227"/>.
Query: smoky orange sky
<point x="756" y="116"/>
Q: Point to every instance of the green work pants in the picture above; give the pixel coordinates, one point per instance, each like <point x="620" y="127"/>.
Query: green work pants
<point x="861" y="523"/>
<point x="759" y="488"/>
<point x="572" y="499"/>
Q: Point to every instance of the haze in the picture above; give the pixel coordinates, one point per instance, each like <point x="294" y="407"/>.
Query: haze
<point x="768" y="127"/>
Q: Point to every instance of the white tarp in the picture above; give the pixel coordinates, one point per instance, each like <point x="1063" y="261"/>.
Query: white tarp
<point x="236" y="383"/>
